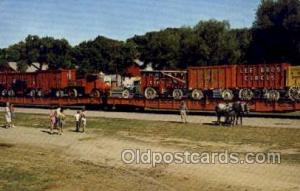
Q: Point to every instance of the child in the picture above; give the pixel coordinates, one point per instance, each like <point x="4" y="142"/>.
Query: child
<point x="12" y="114"/>
<point x="52" y="117"/>
<point x="183" y="110"/>
<point x="8" y="115"/>
<point x="77" y="120"/>
<point x="61" y="117"/>
<point x="83" y="119"/>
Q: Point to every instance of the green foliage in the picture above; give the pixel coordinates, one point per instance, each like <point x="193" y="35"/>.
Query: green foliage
<point x="161" y="49"/>
<point x="276" y="35"/>
<point x="208" y="43"/>
<point x="46" y="50"/>
<point x="103" y="54"/>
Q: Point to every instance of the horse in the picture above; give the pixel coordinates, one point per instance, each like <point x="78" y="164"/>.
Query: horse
<point x="233" y="112"/>
<point x="239" y="109"/>
<point x="223" y="109"/>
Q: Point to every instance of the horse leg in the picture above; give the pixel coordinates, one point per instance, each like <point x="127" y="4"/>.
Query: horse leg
<point x="241" y="120"/>
<point x="219" y="119"/>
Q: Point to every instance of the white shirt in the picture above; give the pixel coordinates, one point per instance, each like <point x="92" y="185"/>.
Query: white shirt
<point x="77" y="116"/>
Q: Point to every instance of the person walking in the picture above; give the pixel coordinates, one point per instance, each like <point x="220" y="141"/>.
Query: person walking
<point x="183" y="112"/>
<point x="62" y="118"/>
<point x="52" y="118"/>
<point x="13" y="114"/>
<point x="77" y="121"/>
<point x="83" y="120"/>
<point x="7" y="115"/>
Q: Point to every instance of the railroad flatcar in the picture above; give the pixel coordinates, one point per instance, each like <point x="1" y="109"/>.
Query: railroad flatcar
<point x="270" y="82"/>
<point x="163" y="83"/>
<point x="54" y="83"/>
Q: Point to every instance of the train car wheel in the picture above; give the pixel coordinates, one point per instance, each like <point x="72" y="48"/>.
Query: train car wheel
<point x="150" y="93"/>
<point x="227" y="94"/>
<point x="125" y="93"/>
<point x="177" y="94"/>
<point x="4" y="92"/>
<point x="59" y="93"/>
<point x="197" y="94"/>
<point x="294" y="93"/>
<point x="40" y="93"/>
<point x="272" y="95"/>
<point x="11" y="93"/>
<point x="95" y="93"/>
<point x="246" y="94"/>
<point x="32" y="93"/>
<point x="73" y="92"/>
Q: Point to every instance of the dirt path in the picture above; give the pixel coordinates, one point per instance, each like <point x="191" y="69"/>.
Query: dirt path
<point x="259" y="122"/>
<point x="104" y="150"/>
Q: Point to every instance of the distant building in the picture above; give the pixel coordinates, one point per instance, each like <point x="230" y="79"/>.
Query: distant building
<point x="35" y="67"/>
<point x="7" y="68"/>
<point x="13" y="66"/>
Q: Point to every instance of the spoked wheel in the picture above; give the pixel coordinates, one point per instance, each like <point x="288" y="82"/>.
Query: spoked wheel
<point x="246" y="94"/>
<point x="39" y="93"/>
<point x="294" y="93"/>
<point x="227" y="94"/>
<point x="59" y="93"/>
<point x="72" y="93"/>
<point x="95" y="93"/>
<point x="150" y="93"/>
<point x="4" y="92"/>
<point x="272" y="95"/>
<point x="177" y="94"/>
<point x="11" y="93"/>
<point x="125" y="93"/>
<point x="197" y="94"/>
<point x="32" y="93"/>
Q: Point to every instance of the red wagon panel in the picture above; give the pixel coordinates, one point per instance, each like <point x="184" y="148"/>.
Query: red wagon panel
<point x="212" y="77"/>
<point x="58" y="79"/>
<point x="271" y="76"/>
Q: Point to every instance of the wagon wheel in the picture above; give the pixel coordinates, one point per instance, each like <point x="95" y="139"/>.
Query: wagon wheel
<point x="272" y="95"/>
<point x="40" y="93"/>
<point x="150" y="93"/>
<point x="59" y="93"/>
<point x="32" y="93"/>
<point x="4" y="92"/>
<point x="294" y="93"/>
<point x="177" y="94"/>
<point x="246" y="94"/>
<point x="227" y="94"/>
<point x="95" y="93"/>
<point x="11" y="93"/>
<point x="125" y="93"/>
<point x="197" y="94"/>
<point x="73" y="92"/>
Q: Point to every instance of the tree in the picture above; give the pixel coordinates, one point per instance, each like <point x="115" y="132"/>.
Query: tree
<point x="209" y="43"/>
<point x="276" y="32"/>
<point x="45" y="51"/>
<point x="103" y="54"/>
<point x="161" y="49"/>
<point x="3" y="59"/>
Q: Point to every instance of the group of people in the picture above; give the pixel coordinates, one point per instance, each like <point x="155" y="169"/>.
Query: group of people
<point x="9" y="115"/>
<point x="58" y="118"/>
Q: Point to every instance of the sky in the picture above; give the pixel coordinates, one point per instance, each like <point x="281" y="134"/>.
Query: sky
<point x="79" y="20"/>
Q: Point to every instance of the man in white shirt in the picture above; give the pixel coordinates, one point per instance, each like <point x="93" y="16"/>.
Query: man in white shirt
<point x="77" y="119"/>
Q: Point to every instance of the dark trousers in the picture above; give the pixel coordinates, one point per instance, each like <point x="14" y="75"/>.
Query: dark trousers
<point x="77" y="126"/>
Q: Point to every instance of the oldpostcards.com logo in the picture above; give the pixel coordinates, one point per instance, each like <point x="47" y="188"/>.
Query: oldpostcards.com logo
<point x="136" y="156"/>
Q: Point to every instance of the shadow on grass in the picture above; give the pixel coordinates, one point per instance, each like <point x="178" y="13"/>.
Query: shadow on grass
<point x="48" y="132"/>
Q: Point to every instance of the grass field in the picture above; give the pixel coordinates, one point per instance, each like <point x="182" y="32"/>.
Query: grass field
<point x="32" y="167"/>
